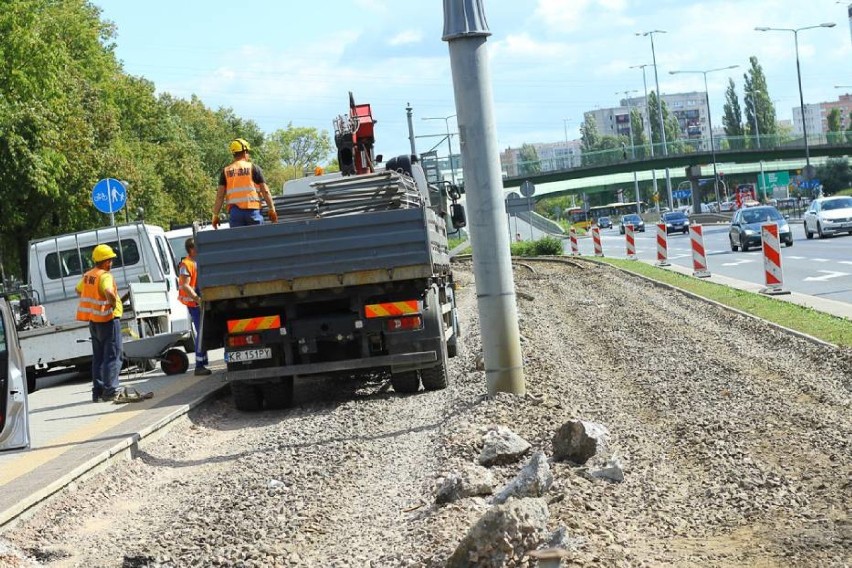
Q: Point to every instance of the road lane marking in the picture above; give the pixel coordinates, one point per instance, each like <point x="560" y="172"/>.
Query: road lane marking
<point x="796" y="257"/>
<point x="738" y="262"/>
<point x="828" y="275"/>
<point x="849" y="262"/>
<point x="820" y="260"/>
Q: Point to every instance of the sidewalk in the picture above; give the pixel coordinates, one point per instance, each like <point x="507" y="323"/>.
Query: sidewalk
<point x="71" y="435"/>
<point x="833" y="307"/>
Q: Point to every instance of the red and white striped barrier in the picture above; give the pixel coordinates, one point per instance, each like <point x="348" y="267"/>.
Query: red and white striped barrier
<point x="630" y="239"/>
<point x="596" y="238"/>
<point x="662" y="245"/>
<point x="773" y="274"/>
<point x="575" y="248"/>
<point x="699" y="256"/>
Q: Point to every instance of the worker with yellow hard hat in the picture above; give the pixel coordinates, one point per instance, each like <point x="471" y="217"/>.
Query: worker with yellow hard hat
<point x="241" y="186"/>
<point x="100" y="305"/>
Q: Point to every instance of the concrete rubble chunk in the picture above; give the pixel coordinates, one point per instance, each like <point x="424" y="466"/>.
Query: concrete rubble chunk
<point x="533" y="481"/>
<point x="503" y="535"/>
<point x="561" y="538"/>
<point x="578" y="441"/>
<point x="611" y="472"/>
<point x="472" y="481"/>
<point x="502" y="446"/>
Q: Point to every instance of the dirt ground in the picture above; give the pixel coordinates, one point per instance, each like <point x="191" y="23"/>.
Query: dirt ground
<point x="735" y="439"/>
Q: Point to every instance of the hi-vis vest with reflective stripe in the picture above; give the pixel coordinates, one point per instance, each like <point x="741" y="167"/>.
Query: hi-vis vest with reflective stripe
<point x="192" y="269"/>
<point x="94" y="305"/>
<point x="240" y="190"/>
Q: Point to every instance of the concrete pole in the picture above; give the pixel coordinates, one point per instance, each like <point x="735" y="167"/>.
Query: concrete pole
<point x="662" y="120"/>
<point x="409" y="114"/>
<point x="466" y="31"/>
<point x="633" y="151"/>
<point x="648" y="120"/>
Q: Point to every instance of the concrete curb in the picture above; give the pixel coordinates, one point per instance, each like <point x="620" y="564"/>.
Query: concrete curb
<point x="779" y="327"/>
<point x="123" y="448"/>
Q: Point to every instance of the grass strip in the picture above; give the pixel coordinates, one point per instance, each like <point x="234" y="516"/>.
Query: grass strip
<point x="800" y="318"/>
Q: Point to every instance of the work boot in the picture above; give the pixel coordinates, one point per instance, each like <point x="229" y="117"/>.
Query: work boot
<point x="202" y="371"/>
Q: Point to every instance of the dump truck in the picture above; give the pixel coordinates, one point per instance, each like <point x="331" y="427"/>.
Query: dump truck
<point x="354" y="279"/>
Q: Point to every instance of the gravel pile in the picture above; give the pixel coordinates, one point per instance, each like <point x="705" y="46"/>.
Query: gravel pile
<point x="735" y="444"/>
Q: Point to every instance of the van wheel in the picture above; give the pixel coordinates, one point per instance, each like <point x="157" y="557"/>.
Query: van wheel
<point x="279" y="394"/>
<point x="406" y="382"/>
<point x="247" y="397"/>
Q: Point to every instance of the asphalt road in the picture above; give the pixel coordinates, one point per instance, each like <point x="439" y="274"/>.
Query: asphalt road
<point x="819" y="267"/>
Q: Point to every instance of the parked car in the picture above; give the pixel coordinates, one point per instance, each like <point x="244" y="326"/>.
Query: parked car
<point x="829" y="216"/>
<point x="632" y="219"/>
<point x="676" y="221"/>
<point x="745" y="227"/>
<point x="604" y="222"/>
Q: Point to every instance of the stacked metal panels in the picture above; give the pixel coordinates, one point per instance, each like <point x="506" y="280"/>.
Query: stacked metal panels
<point x="350" y="195"/>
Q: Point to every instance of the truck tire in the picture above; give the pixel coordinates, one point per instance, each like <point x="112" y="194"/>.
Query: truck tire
<point x="247" y="397"/>
<point x="278" y="395"/>
<point x="406" y="382"/>
<point x="435" y="378"/>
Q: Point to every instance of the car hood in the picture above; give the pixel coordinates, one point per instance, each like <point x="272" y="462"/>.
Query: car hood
<point x="844" y="213"/>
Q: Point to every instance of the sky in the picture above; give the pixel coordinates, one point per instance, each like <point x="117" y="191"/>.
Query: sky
<point x="281" y="62"/>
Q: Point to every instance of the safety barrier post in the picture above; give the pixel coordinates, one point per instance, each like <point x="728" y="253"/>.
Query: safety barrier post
<point x="596" y="239"/>
<point x="773" y="274"/>
<point x="662" y="245"/>
<point x="575" y="247"/>
<point x="630" y="238"/>
<point x="699" y="256"/>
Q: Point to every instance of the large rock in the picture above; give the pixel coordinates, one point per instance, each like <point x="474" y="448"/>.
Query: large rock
<point x="578" y="441"/>
<point x="503" y="535"/>
<point x="501" y="446"/>
<point x="472" y="481"/>
<point x="533" y="481"/>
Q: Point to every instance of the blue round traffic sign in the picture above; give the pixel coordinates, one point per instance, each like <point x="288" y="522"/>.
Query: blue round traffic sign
<point x="109" y="195"/>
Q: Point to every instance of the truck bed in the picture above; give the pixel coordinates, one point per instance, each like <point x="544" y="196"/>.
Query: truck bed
<point x="363" y="248"/>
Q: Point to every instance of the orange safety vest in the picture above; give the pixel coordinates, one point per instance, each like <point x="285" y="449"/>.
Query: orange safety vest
<point x="192" y="268"/>
<point x="240" y="190"/>
<point x="94" y="305"/>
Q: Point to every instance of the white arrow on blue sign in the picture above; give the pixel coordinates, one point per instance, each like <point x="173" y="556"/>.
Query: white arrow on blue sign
<point x="109" y="195"/>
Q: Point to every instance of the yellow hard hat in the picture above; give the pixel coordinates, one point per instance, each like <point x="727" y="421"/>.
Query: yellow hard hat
<point x="102" y="253"/>
<point x="238" y="145"/>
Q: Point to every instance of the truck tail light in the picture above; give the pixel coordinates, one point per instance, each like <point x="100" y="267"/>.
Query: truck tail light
<point x="243" y="340"/>
<point x="405" y="323"/>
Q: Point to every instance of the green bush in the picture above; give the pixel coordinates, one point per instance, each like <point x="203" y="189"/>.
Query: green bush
<point x="547" y="246"/>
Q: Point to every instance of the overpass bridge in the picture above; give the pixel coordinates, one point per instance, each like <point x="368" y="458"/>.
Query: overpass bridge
<point x="599" y="171"/>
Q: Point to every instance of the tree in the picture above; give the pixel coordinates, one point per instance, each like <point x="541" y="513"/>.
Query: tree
<point x="301" y="147"/>
<point x="589" y="134"/>
<point x="732" y="119"/>
<point x="759" y="108"/>
<point x="849" y="129"/>
<point x="637" y="124"/>
<point x="835" y="175"/>
<point x="835" y="126"/>
<point x="530" y="163"/>
<point x="671" y="123"/>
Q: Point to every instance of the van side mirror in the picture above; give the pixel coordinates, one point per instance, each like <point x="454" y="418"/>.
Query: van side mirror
<point x="379" y="158"/>
<point x="458" y="216"/>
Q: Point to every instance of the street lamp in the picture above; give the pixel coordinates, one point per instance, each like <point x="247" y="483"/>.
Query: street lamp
<point x="660" y="110"/>
<point x="446" y="120"/>
<point x="648" y="118"/>
<point x="632" y="145"/>
<point x="709" y="121"/>
<point x="795" y="32"/>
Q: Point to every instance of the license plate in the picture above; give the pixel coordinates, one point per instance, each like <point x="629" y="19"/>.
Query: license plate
<point x="248" y="355"/>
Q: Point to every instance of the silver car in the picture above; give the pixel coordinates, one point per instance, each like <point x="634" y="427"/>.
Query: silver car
<point x="829" y="216"/>
<point x="14" y="413"/>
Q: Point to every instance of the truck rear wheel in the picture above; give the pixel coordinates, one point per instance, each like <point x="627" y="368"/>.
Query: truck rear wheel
<point x="247" y="397"/>
<point x="406" y="382"/>
<point x="279" y="394"/>
<point x="434" y="378"/>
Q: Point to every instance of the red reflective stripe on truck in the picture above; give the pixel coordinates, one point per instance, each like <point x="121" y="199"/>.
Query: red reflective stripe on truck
<point x="254" y="324"/>
<point x="389" y="309"/>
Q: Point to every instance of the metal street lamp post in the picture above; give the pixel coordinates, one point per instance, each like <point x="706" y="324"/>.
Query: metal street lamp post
<point x="632" y="146"/>
<point x="709" y="122"/>
<point x="648" y="119"/>
<point x="795" y="32"/>
<point x="660" y="111"/>
<point x="446" y="120"/>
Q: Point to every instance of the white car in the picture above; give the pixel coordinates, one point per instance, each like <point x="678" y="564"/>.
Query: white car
<point x="829" y="216"/>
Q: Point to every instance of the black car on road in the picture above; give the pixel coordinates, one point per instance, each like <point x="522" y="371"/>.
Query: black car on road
<point x="632" y="219"/>
<point x="604" y="222"/>
<point x="676" y="222"/>
<point x="745" y="227"/>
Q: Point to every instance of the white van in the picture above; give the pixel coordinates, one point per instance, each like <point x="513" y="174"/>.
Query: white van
<point x="56" y="265"/>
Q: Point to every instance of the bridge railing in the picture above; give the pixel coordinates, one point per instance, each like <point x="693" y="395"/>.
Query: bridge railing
<point x="681" y="147"/>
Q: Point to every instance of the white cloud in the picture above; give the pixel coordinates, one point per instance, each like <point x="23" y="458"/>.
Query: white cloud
<point x="524" y="46"/>
<point x="569" y="15"/>
<point x="406" y="37"/>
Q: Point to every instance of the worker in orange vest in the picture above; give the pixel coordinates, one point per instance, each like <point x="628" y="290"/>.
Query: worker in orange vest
<point x="100" y="305"/>
<point x="188" y="296"/>
<point x="241" y="186"/>
<point x="318" y="171"/>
